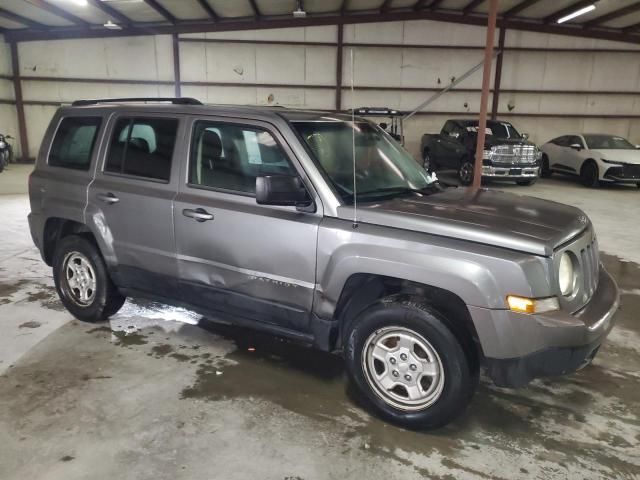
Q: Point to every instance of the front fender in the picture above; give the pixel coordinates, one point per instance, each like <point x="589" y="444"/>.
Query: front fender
<point x="481" y="275"/>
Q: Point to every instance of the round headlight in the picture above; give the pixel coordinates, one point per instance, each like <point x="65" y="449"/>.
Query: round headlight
<point x="566" y="275"/>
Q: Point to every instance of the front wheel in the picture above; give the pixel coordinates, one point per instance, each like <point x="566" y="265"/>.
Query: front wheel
<point x="527" y="183"/>
<point x="465" y="172"/>
<point x="82" y="280"/>
<point x="408" y="366"/>
<point x="589" y="175"/>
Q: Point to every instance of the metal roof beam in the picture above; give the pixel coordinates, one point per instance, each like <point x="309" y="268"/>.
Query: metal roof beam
<point x="14" y="17"/>
<point x="519" y="8"/>
<point x="471" y="6"/>
<point x="209" y="9"/>
<point x="567" y="10"/>
<point x="386" y="5"/>
<point x="319" y="20"/>
<point x="166" y="14"/>
<point x="111" y="12"/>
<point x="621" y="12"/>
<point x="254" y="7"/>
<point x="59" y="12"/>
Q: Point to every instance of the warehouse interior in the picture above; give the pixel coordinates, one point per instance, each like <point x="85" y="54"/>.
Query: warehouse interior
<point x="162" y="392"/>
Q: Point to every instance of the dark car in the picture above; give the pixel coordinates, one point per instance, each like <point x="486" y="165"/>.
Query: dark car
<point x="507" y="153"/>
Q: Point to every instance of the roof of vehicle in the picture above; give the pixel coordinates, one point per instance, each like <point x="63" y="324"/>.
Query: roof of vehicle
<point x="471" y="121"/>
<point x="253" y="111"/>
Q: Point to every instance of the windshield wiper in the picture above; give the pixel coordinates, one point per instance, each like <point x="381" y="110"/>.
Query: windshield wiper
<point x="429" y="189"/>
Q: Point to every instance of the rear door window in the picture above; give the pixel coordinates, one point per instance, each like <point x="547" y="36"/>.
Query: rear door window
<point x="143" y="147"/>
<point x="73" y="143"/>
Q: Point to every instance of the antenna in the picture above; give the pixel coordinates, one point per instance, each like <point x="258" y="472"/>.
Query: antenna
<point x="353" y="146"/>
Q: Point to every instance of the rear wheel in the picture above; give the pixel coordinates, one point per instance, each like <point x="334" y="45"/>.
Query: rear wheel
<point x="82" y="280"/>
<point x="407" y="365"/>
<point x="589" y="174"/>
<point x="465" y="172"/>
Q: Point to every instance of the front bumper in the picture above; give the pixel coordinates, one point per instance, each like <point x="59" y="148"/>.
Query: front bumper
<point x="554" y="343"/>
<point x="513" y="172"/>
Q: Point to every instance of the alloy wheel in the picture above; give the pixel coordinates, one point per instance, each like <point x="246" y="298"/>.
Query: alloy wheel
<point x="403" y="368"/>
<point x="79" y="279"/>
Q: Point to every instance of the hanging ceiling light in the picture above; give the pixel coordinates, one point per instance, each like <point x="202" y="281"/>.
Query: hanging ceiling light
<point x="299" y="12"/>
<point x="577" y="13"/>
<point x="112" y="26"/>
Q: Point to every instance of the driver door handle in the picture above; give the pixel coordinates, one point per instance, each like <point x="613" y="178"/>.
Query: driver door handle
<point x="109" y="198"/>
<point x="199" y="214"/>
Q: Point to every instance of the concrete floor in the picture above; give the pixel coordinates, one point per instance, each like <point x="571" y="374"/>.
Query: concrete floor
<point x="162" y="393"/>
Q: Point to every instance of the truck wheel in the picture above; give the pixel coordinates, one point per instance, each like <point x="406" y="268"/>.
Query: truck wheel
<point x="589" y="174"/>
<point x="527" y="183"/>
<point x="82" y="281"/>
<point x="407" y="365"/>
<point x="427" y="162"/>
<point x="545" y="170"/>
<point x="465" y="173"/>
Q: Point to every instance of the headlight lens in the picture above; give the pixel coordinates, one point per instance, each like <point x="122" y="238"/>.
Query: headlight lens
<point x="2" y="144"/>
<point x="566" y="275"/>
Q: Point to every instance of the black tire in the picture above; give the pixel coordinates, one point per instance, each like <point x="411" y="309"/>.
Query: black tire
<point x="105" y="299"/>
<point x="460" y="370"/>
<point x="589" y="174"/>
<point x="427" y="161"/>
<point x="466" y="172"/>
<point x="545" y="169"/>
<point x="527" y="183"/>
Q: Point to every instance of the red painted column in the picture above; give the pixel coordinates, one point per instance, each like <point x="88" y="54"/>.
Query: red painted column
<point x="484" y="99"/>
<point x="17" y="87"/>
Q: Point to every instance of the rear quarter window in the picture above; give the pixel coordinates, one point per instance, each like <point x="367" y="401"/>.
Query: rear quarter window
<point x="73" y="142"/>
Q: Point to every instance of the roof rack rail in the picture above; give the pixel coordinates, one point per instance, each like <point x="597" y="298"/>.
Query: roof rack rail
<point x="173" y="100"/>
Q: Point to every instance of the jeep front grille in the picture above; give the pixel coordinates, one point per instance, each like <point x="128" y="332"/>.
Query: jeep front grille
<point x="513" y="154"/>
<point x="585" y="251"/>
<point x="589" y="267"/>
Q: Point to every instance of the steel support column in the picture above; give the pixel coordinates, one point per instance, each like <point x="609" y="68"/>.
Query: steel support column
<point x="17" y="87"/>
<point x="486" y="78"/>
<point x="339" y="49"/>
<point x="498" y="75"/>
<point x="176" y="66"/>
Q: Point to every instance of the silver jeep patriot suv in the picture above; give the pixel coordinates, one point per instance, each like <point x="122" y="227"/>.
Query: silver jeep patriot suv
<point x="262" y="217"/>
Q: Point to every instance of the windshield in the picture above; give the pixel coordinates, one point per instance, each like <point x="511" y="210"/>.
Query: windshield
<point x="497" y="129"/>
<point x="383" y="167"/>
<point x="604" y="142"/>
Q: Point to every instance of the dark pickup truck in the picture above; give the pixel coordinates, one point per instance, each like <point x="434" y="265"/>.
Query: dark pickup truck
<point x="507" y="153"/>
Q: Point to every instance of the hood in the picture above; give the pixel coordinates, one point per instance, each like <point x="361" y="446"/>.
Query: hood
<point x="490" y="217"/>
<point x="619" y="155"/>
<point x="490" y="140"/>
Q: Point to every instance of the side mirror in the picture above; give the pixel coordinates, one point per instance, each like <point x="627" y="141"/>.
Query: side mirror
<point x="282" y="190"/>
<point x="576" y="146"/>
<point x="525" y="136"/>
<point x="8" y="136"/>
<point x="383" y="125"/>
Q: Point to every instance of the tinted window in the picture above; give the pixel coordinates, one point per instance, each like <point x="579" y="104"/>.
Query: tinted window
<point x="230" y="157"/>
<point x="604" y="142"/>
<point x="573" y="140"/>
<point x="143" y="147"/>
<point x="73" y="143"/>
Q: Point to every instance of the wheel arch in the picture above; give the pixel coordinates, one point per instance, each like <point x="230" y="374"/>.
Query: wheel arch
<point x="363" y="289"/>
<point x="55" y="229"/>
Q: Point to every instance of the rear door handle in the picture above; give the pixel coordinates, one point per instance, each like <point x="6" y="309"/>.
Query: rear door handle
<point x="199" y="214"/>
<point x="109" y="198"/>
